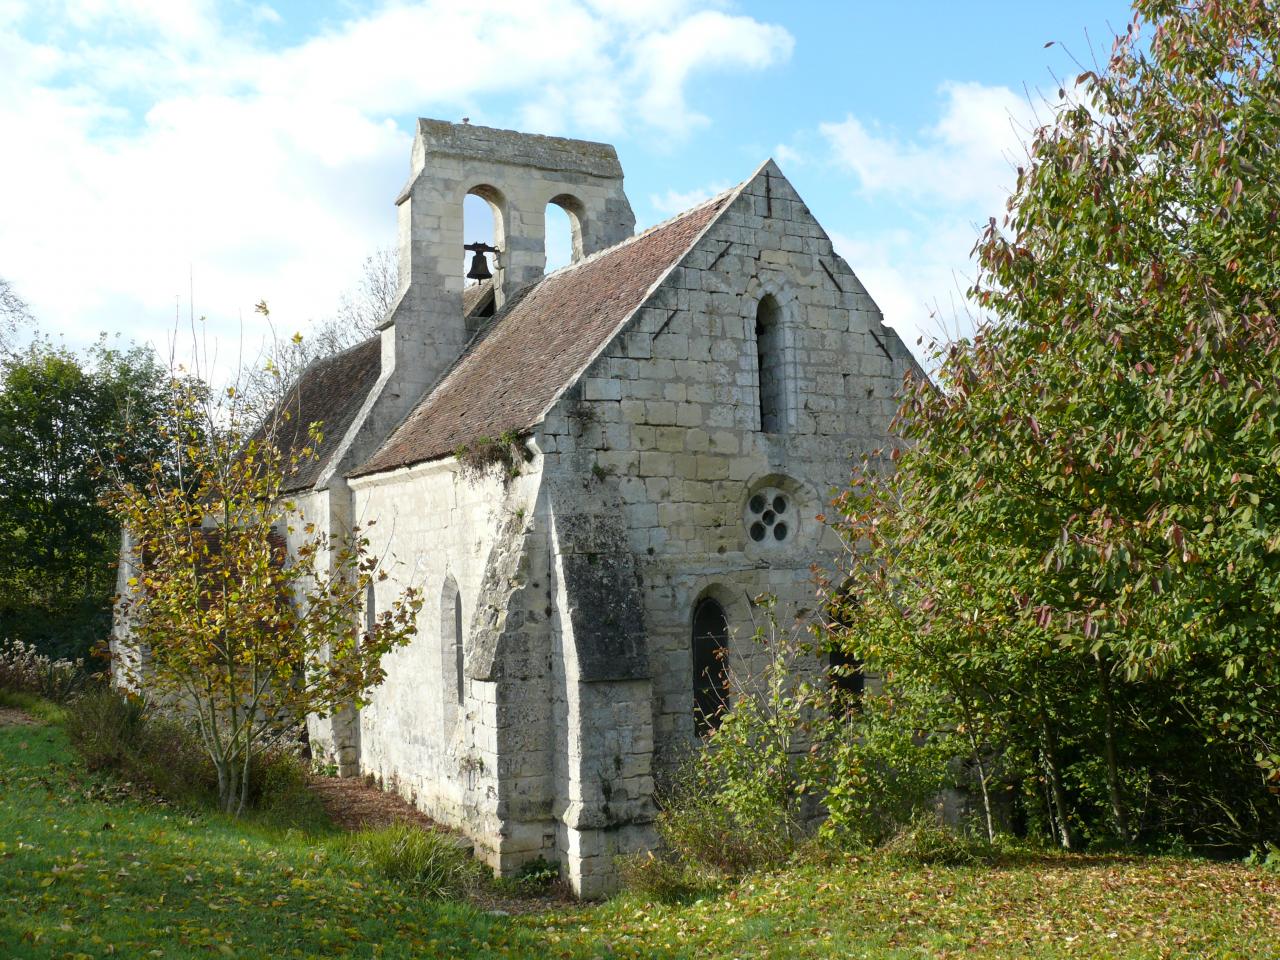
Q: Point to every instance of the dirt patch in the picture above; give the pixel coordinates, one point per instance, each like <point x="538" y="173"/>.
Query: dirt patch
<point x="13" y="717"/>
<point x="355" y="804"/>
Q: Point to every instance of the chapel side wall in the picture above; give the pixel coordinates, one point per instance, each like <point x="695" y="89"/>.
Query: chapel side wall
<point x="328" y="736"/>
<point x="128" y="665"/>
<point x="669" y="416"/>
<point x="437" y="530"/>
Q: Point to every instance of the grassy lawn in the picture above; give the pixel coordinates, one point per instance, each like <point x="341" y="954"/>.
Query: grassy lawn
<point x="88" y="871"/>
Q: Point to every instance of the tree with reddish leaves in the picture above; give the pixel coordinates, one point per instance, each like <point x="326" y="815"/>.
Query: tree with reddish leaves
<point x="1077" y="558"/>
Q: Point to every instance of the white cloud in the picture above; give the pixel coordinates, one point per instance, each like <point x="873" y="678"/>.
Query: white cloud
<point x="704" y="40"/>
<point x="156" y="140"/>
<point x="671" y="202"/>
<point x="788" y="156"/>
<point x="968" y="157"/>
<point x="938" y="185"/>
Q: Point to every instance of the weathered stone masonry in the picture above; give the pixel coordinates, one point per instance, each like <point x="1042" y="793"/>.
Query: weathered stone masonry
<point x="688" y="397"/>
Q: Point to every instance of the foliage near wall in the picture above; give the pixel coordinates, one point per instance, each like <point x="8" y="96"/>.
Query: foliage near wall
<point x="1076" y="566"/>
<point x="223" y="618"/>
<point x="63" y="418"/>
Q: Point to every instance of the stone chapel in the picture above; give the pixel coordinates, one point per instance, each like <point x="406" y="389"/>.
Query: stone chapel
<point x="686" y="399"/>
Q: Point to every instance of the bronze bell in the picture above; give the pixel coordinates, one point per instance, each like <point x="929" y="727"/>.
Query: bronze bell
<point x="479" y="263"/>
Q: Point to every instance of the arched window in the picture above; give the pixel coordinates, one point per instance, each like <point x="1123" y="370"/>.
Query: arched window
<point x="452" y="637"/>
<point x="844" y="671"/>
<point x="710" y="649"/>
<point x="563" y="231"/>
<point x="459" y="693"/>
<point x="769" y="364"/>
<point x="482" y="213"/>
<point x="370" y="609"/>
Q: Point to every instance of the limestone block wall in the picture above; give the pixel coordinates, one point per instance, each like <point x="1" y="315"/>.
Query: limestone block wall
<point x="669" y="417"/>
<point x="447" y="535"/>
<point x="601" y="690"/>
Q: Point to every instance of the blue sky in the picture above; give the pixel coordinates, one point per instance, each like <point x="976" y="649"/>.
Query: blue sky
<point x="255" y="148"/>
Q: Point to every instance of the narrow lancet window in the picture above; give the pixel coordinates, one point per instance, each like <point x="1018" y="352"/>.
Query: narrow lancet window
<point x="769" y="364"/>
<point x="458" y="679"/>
<point x="710" y="650"/>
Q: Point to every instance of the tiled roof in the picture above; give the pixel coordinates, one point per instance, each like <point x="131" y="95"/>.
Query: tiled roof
<point x="329" y="391"/>
<point x="538" y="343"/>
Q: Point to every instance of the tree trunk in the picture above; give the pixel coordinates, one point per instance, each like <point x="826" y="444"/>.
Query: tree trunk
<point x="982" y="782"/>
<point x="244" y="778"/>
<point x="1118" y="810"/>
<point x="1057" y="791"/>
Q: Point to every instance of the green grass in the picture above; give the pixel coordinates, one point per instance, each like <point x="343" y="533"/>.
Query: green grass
<point x="86" y="869"/>
<point x="38" y="707"/>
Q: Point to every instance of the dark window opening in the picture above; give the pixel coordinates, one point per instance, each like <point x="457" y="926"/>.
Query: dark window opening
<point x="710" y="648"/>
<point x="846" y="673"/>
<point x="769" y="363"/>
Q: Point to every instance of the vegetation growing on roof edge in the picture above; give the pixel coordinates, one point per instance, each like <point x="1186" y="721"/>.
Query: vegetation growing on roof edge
<point x="509" y="451"/>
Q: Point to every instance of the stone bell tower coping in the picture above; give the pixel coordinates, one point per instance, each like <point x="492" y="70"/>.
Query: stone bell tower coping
<point x="518" y="174"/>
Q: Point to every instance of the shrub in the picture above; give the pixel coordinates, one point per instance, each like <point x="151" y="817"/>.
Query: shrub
<point x="1266" y="856"/>
<point x="105" y="727"/>
<point x="880" y="774"/>
<point x="708" y="824"/>
<point x="926" y="842"/>
<point x="432" y="863"/>
<point x="661" y="879"/>
<point x="169" y="756"/>
<point x="537" y="874"/>
<point x="280" y="790"/>
<point x="794" y="763"/>
<point x="23" y="669"/>
<point x="120" y="733"/>
<point x="747" y="799"/>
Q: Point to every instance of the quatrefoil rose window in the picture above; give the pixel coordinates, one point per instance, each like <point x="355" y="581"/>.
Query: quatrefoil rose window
<point x="769" y="516"/>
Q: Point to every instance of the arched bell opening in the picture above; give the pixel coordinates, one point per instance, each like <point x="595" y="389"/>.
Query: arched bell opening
<point x="564" y="218"/>
<point x="483" y="239"/>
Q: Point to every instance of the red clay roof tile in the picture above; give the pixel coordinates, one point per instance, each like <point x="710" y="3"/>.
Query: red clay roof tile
<point x="538" y="343"/>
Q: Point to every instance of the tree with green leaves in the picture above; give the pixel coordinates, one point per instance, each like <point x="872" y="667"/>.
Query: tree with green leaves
<point x="63" y="417"/>
<point x="239" y="611"/>
<point x="1077" y="558"/>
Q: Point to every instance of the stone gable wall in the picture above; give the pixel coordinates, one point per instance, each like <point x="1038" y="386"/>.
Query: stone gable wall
<point x="579" y="577"/>
<point x="668" y="418"/>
